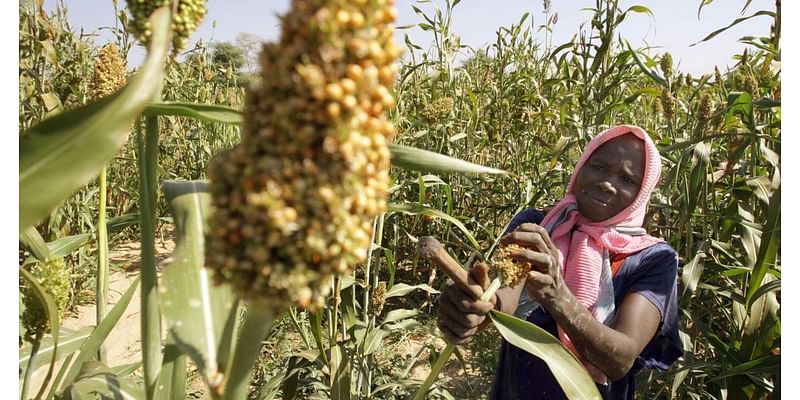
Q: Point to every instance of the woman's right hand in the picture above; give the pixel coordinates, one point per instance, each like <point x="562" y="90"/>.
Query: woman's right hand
<point x="461" y="316"/>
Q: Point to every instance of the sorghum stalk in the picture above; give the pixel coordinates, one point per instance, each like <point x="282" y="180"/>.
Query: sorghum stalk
<point x="109" y="76"/>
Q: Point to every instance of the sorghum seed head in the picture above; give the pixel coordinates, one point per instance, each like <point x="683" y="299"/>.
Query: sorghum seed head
<point x="705" y="107"/>
<point x="668" y="102"/>
<point x="109" y="71"/>
<point x="438" y="109"/>
<point x="312" y="170"/>
<point x="666" y="64"/>
<point x="54" y="277"/>
<point x="510" y="271"/>
<point x="378" y="298"/>
<point x="187" y="16"/>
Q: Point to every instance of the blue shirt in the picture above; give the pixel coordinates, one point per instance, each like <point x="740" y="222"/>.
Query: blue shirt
<point x="651" y="273"/>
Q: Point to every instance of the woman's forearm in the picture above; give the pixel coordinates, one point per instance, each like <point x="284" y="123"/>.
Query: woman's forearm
<point x="607" y="349"/>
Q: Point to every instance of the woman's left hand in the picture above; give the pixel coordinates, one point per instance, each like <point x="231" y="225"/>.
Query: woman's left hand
<point x="544" y="279"/>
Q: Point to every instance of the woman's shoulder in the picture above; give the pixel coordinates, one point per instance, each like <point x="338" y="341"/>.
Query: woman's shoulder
<point x="529" y="215"/>
<point x="659" y="260"/>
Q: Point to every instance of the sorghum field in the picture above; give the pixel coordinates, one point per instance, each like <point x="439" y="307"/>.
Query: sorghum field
<point x="290" y="199"/>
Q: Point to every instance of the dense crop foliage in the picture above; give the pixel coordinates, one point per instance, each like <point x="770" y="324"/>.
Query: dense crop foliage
<point x="521" y="104"/>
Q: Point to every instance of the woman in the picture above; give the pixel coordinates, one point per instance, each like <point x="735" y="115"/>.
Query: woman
<point x="598" y="281"/>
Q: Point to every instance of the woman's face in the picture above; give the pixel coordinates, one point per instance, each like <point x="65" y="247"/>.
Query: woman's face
<point x="610" y="179"/>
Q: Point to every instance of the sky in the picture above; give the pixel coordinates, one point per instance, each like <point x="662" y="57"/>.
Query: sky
<point x="673" y="27"/>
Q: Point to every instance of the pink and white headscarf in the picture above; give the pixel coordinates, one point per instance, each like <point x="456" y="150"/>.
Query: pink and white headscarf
<point x="583" y="243"/>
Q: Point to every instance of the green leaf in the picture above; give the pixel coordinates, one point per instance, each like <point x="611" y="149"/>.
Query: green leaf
<point x="89" y="347"/>
<point x="98" y="381"/>
<point x="340" y="367"/>
<point x="768" y="249"/>
<point x="400" y="314"/>
<point x="62" y="153"/>
<point x="649" y="72"/>
<point x="257" y="324"/>
<point x="568" y="371"/>
<point x="121" y="222"/>
<point x="415" y="159"/>
<point x="172" y="377"/>
<point x="735" y="22"/>
<point x="416" y="209"/>
<point x="195" y="310"/>
<point x="373" y="340"/>
<point x="741" y="104"/>
<point x="692" y="272"/>
<point x="68" y="343"/>
<point x="66" y="245"/>
<point x="33" y="241"/>
<point x="771" y="363"/>
<point x="402" y="289"/>
<point x="202" y="112"/>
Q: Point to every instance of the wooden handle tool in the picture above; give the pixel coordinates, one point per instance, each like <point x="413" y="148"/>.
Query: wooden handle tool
<point x="430" y="249"/>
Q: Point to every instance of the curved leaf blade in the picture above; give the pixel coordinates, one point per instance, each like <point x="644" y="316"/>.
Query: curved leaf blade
<point x="416" y="209"/>
<point x="732" y="24"/>
<point x="415" y="159"/>
<point x="568" y="371"/>
<point x="202" y="112"/>
<point x="68" y="343"/>
<point x="98" y="381"/>
<point x="89" y="348"/>
<point x="62" y="153"/>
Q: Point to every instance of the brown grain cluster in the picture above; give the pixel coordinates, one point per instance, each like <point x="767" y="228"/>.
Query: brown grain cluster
<point x="186" y="17"/>
<point x="296" y="199"/>
<point x="109" y="71"/>
<point x="510" y="271"/>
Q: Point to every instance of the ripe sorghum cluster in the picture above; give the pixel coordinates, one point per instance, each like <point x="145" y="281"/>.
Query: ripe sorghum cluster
<point x="658" y="107"/>
<point x="54" y="277"/>
<point x="668" y="103"/>
<point x="109" y="71"/>
<point x="378" y="298"/>
<point x="510" y="272"/>
<point x="438" y="110"/>
<point x="666" y="64"/>
<point x="186" y="16"/>
<point x="296" y="199"/>
<point x="705" y="107"/>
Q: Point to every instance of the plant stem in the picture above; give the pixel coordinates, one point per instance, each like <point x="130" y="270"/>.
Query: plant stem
<point x="445" y="354"/>
<point x="102" y="260"/>
<point x="151" y="320"/>
<point x="257" y="325"/>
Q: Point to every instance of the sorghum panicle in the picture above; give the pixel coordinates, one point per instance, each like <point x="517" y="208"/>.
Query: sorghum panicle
<point x="666" y="64"/>
<point x="502" y="265"/>
<point x="705" y="107"/>
<point x="378" y="298"/>
<point x="668" y="102"/>
<point x="109" y="71"/>
<point x="438" y="109"/>
<point x="186" y="18"/>
<point x="54" y="277"/>
<point x="296" y="199"/>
